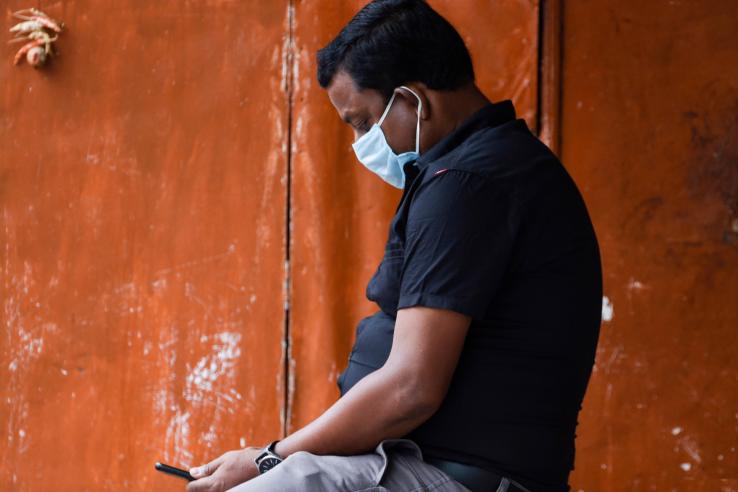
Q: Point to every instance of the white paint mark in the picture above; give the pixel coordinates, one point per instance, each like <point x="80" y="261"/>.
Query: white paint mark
<point x="607" y="309"/>
<point x="64" y="371"/>
<point x="615" y="357"/>
<point x="160" y="284"/>
<point x="50" y="327"/>
<point x="691" y="447"/>
<point x="634" y="284"/>
<point x="686" y="466"/>
<point x="242" y="442"/>
<point x="220" y="362"/>
<point x="676" y="431"/>
<point x="13" y="365"/>
<point x="177" y="435"/>
<point x="128" y="287"/>
<point x="210" y="436"/>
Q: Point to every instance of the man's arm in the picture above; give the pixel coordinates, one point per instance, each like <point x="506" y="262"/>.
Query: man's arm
<point x="387" y="403"/>
<point x="398" y="397"/>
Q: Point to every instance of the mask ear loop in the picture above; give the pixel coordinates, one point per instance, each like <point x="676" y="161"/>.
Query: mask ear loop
<point x="386" y="110"/>
<point x="417" y="128"/>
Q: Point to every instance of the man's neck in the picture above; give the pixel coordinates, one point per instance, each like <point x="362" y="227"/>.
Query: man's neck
<point x="457" y="106"/>
<point x="468" y="101"/>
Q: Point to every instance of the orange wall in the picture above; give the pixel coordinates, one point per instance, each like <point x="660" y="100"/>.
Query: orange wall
<point x="650" y="132"/>
<point x="142" y="242"/>
<point x="185" y="234"/>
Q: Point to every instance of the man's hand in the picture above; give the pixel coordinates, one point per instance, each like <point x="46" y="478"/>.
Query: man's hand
<point x="226" y="471"/>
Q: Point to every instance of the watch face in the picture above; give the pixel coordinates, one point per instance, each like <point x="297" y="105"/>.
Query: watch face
<point x="267" y="464"/>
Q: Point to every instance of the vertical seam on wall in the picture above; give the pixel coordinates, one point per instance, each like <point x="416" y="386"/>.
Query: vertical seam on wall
<point x="290" y="60"/>
<point x="559" y="75"/>
<point x="541" y="81"/>
<point x="550" y="47"/>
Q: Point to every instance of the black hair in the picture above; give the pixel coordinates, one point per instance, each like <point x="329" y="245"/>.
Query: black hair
<point x="391" y="42"/>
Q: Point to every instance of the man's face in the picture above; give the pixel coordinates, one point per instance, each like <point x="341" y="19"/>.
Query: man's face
<point x="362" y="108"/>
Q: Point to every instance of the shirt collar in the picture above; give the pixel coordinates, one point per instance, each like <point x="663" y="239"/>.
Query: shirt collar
<point x="489" y="115"/>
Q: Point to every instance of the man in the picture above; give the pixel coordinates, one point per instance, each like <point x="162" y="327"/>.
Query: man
<point x="472" y="373"/>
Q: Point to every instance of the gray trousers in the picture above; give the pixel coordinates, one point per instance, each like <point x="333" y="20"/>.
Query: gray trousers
<point x="395" y="465"/>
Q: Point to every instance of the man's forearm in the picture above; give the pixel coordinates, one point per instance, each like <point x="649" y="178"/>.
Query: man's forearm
<point x="380" y="406"/>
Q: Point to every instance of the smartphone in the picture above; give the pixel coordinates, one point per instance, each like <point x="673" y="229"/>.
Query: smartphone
<point x="174" y="471"/>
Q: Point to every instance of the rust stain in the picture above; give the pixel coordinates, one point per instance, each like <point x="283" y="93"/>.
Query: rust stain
<point x="713" y="174"/>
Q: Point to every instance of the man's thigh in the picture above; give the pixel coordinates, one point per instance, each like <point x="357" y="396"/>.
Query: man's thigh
<point x="405" y="470"/>
<point x="304" y="471"/>
<point x="395" y="465"/>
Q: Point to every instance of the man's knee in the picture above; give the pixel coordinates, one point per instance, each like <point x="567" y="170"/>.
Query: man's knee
<point x="290" y="475"/>
<point x="299" y="460"/>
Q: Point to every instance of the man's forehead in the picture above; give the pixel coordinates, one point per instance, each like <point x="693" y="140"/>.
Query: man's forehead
<point x="343" y="92"/>
<point x="347" y="98"/>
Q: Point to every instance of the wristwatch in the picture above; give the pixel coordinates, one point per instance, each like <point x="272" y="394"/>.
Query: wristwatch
<point x="268" y="459"/>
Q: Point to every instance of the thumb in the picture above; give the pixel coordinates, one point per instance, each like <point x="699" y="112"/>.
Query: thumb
<point x="205" y="470"/>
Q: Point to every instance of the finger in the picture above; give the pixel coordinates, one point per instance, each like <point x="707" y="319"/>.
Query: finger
<point x="202" y="485"/>
<point x="208" y="469"/>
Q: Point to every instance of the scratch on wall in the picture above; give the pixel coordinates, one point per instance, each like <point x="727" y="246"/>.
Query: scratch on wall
<point x="190" y="264"/>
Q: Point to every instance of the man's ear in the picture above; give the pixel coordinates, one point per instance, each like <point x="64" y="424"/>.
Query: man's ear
<point x="420" y="89"/>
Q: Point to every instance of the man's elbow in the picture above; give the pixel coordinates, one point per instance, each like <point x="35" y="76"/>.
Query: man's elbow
<point x="418" y="398"/>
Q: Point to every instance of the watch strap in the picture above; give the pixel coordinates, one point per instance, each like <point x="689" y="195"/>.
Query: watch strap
<point x="268" y="458"/>
<point x="272" y="448"/>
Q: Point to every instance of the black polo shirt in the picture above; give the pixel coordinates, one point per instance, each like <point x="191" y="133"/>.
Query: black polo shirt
<point x="491" y="225"/>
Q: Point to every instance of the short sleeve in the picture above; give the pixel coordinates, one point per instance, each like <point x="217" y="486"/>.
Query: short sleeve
<point x="458" y="240"/>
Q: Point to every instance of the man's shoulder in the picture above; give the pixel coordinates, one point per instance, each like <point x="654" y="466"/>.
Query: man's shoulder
<point x="500" y="152"/>
<point x="458" y="194"/>
<point x="499" y="170"/>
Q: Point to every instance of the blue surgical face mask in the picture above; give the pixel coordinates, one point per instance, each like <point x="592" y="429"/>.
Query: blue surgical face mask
<point x="374" y="152"/>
